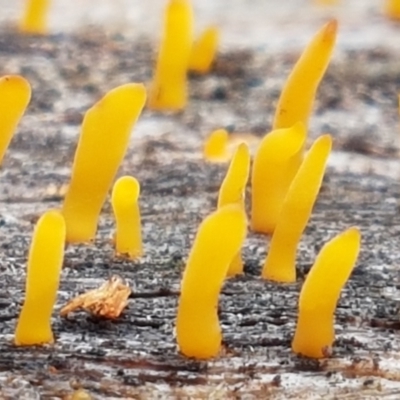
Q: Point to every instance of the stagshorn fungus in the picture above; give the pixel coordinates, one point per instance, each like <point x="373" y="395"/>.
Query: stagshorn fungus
<point x="297" y="97"/>
<point x="280" y="263"/>
<point x="34" y="19"/>
<point x="128" y="234"/>
<point x="320" y="293"/>
<point x="15" y="94"/>
<point x="215" y="148"/>
<point x="42" y="280"/>
<point x="169" y="87"/>
<point x="232" y="191"/>
<point x="275" y="164"/>
<point x="102" y="145"/>
<point x="204" y="50"/>
<point x="219" y="238"/>
<point x="392" y="9"/>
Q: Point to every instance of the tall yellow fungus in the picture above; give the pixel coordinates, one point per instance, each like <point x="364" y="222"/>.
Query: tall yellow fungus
<point x="280" y="263"/>
<point x="297" y="97"/>
<point x="169" y="87"/>
<point x="101" y="148"/>
<point x="233" y="190"/>
<point x="275" y="164"/>
<point x="320" y="293"/>
<point x="43" y="276"/>
<point x="124" y="199"/>
<point x="34" y="20"/>
<point x="15" y="94"/>
<point x="204" y="50"/>
<point x="219" y="238"/>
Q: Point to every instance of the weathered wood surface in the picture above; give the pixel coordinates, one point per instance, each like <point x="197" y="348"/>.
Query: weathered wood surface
<point x="136" y="356"/>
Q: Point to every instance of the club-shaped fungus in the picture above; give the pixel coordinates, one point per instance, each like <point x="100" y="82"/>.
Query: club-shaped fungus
<point x="297" y="97"/>
<point x="232" y="191"/>
<point x="280" y="263"/>
<point x="320" y="293"/>
<point x="169" y="87"/>
<point x="219" y="238"/>
<point x="204" y="51"/>
<point x="392" y="9"/>
<point x="34" y="20"/>
<point x="101" y="148"/>
<point x="124" y="199"/>
<point x="15" y="94"/>
<point x="275" y="164"/>
<point x="215" y="148"/>
<point x="43" y="276"/>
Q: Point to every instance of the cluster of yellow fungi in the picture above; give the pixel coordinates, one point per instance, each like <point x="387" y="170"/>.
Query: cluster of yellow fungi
<point x="285" y="183"/>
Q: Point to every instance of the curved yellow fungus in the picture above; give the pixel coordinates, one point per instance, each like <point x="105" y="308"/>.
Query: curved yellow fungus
<point x="43" y="276"/>
<point x="219" y="238"/>
<point x="320" y="293"/>
<point x="34" y="20"/>
<point x="101" y="148"/>
<point x="275" y="164"/>
<point x="15" y="94"/>
<point x="216" y="147"/>
<point x="392" y="9"/>
<point x="233" y="190"/>
<point x="128" y="236"/>
<point x="297" y="97"/>
<point x="169" y="87"/>
<point x="280" y="264"/>
<point x="204" y="50"/>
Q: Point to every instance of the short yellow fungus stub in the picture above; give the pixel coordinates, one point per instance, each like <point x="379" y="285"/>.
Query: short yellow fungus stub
<point x="280" y="263"/>
<point x="297" y="97"/>
<point x="219" y="238"/>
<point x="233" y="190"/>
<point x="216" y="147"/>
<point x="124" y="199"/>
<point x="320" y="293"/>
<point x="275" y="164"/>
<point x="43" y="276"/>
<point x="34" y="20"/>
<point x="101" y="148"/>
<point x="15" y="94"/>
<point x="392" y="9"/>
<point x="169" y="87"/>
<point x="204" y="51"/>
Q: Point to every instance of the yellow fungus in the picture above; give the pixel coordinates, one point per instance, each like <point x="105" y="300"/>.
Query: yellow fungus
<point x="169" y="87"/>
<point x="216" y="147"/>
<point x="232" y="191"/>
<point x="101" y="148"/>
<point x="320" y="293"/>
<point x="280" y="264"/>
<point x="15" y="94"/>
<point x="219" y="238"/>
<point x="128" y="236"/>
<point x="204" y="50"/>
<point x="43" y="275"/>
<point x="297" y="97"/>
<point x="276" y="162"/>
<point x="34" y="20"/>
<point x="392" y="9"/>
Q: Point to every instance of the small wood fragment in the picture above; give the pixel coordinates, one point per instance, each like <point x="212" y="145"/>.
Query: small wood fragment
<point x="107" y="301"/>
